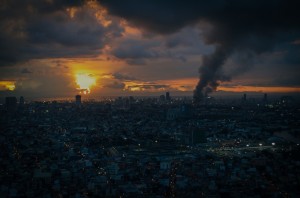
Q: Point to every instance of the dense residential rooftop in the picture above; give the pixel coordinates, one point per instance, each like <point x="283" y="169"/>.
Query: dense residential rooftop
<point x="150" y="148"/>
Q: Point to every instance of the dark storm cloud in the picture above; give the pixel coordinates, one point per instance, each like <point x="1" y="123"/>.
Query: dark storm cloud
<point x="179" y="46"/>
<point x="15" y="8"/>
<point x="170" y="15"/>
<point x="292" y="56"/>
<point x="25" y="71"/>
<point x="115" y="85"/>
<point x="124" y="77"/>
<point x="43" y="29"/>
<point x="230" y="25"/>
<point x="135" y="52"/>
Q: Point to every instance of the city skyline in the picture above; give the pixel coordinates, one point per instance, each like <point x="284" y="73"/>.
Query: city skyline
<point x="145" y="48"/>
<point x="149" y="98"/>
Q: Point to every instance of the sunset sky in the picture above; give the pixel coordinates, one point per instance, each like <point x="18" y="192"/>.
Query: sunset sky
<point x="59" y="48"/>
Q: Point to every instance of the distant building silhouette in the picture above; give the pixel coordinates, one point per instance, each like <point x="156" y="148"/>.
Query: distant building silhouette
<point x="78" y="99"/>
<point x="181" y="112"/>
<point x="244" y="97"/>
<point x="11" y="104"/>
<point x="287" y="100"/>
<point x="265" y="97"/>
<point x="168" y="98"/>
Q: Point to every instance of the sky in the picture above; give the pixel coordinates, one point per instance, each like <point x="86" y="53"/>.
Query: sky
<point x="60" y="48"/>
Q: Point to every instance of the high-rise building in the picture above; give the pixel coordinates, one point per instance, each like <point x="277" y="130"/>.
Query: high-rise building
<point x="78" y="99"/>
<point x="11" y="103"/>
<point x="168" y="98"/>
<point x="245" y="97"/>
<point x="265" y="97"/>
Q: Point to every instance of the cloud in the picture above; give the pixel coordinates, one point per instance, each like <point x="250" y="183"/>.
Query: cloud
<point x="115" y="85"/>
<point x="45" y="29"/>
<point x="180" y="46"/>
<point x="136" y="51"/>
<point x="129" y="83"/>
<point x="147" y="87"/>
<point x="231" y="26"/>
<point x="25" y="71"/>
<point x="45" y="80"/>
<point x="246" y="16"/>
<point x="43" y="85"/>
<point x="115" y="80"/>
<point x="121" y="76"/>
<point x="230" y="39"/>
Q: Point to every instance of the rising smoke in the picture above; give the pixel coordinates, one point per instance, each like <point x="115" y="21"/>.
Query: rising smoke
<point x="237" y="25"/>
<point x="210" y="75"/>
<point x="253" y="26"/>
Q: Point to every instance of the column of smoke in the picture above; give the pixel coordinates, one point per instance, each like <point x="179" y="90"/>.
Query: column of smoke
<point x="210" y="73"/>
<point x="234" y="27"/>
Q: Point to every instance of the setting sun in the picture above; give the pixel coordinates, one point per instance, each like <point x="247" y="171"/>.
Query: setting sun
<point x="7" y="85"/>
<point x="85" y="82"/>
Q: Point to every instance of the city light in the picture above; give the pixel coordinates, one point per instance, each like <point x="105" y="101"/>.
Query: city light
<point x="209" y="88"/>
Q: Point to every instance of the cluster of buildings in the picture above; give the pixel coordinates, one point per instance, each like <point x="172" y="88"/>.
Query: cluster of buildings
<point x="149" y="147"/>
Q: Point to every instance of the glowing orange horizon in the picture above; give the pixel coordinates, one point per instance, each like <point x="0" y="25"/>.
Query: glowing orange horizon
<point x="277" y="89"/>
<point x="189" y="84"/>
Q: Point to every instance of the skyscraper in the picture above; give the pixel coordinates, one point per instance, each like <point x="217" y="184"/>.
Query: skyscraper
<point x="245" y="97"/>
<point x="168" y="98"/>
<point x="265" y="97"/>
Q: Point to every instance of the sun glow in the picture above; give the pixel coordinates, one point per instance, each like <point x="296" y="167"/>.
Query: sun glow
<point x="85" y="82"/>
<point x="7" y="85"/>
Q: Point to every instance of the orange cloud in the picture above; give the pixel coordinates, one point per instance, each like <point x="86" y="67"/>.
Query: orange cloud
<point x="189" y="84"/>
<point x="240" y="88"/>
<point x="182" y="84"/>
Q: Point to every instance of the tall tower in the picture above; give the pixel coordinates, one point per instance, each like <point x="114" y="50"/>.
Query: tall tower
<point x="265" y="97"/>
<point x="78" y="99"/>
<point x="168" y="98"/>
<point x="245" y="97"/>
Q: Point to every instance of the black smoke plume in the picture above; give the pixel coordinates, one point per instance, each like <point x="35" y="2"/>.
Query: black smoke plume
<point x="210" y="73"/>
<point x="237" y="26"/>
<point x="29" y="27"/>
